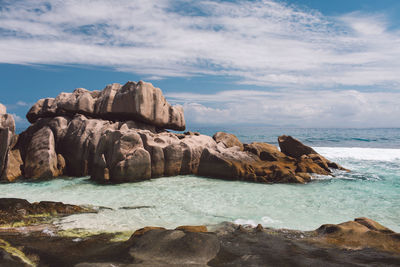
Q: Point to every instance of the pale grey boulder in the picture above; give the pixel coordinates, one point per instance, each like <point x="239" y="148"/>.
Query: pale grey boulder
<point x="141" y="102"/>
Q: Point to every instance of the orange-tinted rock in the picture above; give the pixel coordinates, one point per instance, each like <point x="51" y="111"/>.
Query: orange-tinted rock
<point x="228" y="140"/>
<point x="194" y="229"/>
<point x="358" y="234"/>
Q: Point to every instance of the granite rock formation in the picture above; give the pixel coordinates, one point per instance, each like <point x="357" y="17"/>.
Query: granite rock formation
<point x="133" y="101"/>
<point x="119" y="135"/>
<point x="10" y="160"/>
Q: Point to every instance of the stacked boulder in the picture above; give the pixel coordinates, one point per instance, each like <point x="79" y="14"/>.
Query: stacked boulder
<point x="10" y="160"/>
<point x="120" y="134"/>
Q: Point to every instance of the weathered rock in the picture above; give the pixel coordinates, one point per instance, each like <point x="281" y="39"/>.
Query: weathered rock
<point x="293" y="147"/>
<point x="13" y="167"/>
<point x="358" y="234"/>
<point x="41" y="158"/>
<point x="264" y="151"/>
<point x="228" y="245"/>
<point x="116" y="135"/>
<point x="173" y="247"/>
<point x="15" y="210"/>
<point x="7" y="138"/>
<point x="227" y="139"/>
<point x="305" y="154"/>
<point x="141" y="102"/>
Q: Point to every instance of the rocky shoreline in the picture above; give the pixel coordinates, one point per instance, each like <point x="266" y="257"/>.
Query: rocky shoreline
<point x="39" y="243"/>
<point x="119" y="134"/>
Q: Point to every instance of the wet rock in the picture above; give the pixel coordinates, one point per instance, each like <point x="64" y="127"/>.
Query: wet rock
<point x="173" y="247"/>
<point x="264" y="151"/>
<point x="295" y="149"/>
<point x="13" y="210"/>
<point x="228" y="245"/>
<point x="359" y="234"/>
<point x="140" y="102"/>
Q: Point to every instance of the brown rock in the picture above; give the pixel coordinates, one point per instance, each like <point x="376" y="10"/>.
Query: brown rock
<point x="227" y="139"/>
<point x="159" y="247"/>
<point x="15" y="210"/>
<point x="14" y="166"/>
<point x="41" y="157"/>
<point x="194" y="229"/>
<point x="293" y="147"/>
<point x="264" y="151"/>
<point x="358" y="234"/>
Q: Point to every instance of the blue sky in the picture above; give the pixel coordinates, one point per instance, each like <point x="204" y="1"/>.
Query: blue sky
<point x="307" y="63"/>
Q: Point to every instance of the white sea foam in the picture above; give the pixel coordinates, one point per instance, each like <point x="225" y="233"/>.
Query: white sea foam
<point x="359" y="153"/>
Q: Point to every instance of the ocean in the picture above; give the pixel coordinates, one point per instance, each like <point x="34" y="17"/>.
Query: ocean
<point x="371" y="189"/>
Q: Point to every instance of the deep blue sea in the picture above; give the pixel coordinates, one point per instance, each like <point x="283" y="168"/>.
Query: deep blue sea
<point x="371" y="189"/>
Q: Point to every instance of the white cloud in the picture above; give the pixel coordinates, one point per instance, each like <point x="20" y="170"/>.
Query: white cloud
<point x="264" y="43"/>
<point x="305" y="108"/>
<point x="18" y="119"/>
<point x="22" y="104"/>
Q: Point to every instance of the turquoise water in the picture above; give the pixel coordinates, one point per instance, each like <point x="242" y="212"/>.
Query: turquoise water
<point x="372" y="189"/>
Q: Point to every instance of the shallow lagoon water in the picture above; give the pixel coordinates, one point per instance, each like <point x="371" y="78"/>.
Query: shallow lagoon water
<point x="372" y="189"/>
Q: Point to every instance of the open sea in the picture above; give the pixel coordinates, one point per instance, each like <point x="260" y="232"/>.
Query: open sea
<point x="372" y="189"/>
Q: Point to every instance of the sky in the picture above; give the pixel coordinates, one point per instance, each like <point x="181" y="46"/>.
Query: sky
<point x="297" y="63"/>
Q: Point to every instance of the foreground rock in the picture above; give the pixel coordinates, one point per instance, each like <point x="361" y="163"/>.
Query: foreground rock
<point x="15" y="211"/>
<point x="119" y="135"/>
<point x="228" y="245"/>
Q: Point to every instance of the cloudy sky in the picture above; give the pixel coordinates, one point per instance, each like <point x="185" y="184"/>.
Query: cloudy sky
<point x="305" y="63"/>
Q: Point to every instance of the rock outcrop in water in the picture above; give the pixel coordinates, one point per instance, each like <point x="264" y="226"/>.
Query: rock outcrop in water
<point x="119" y="135"/>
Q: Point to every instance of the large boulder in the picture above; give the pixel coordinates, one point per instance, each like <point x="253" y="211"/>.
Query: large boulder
<point x="7" y="139"/>
<point x="293" y="147"/>
<point x="306" y="155"/>
<point x="360" y="233"/>
<point x="156" y="247"/>
<point x="141" y="102"/>
<point x="41" y="160"/>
